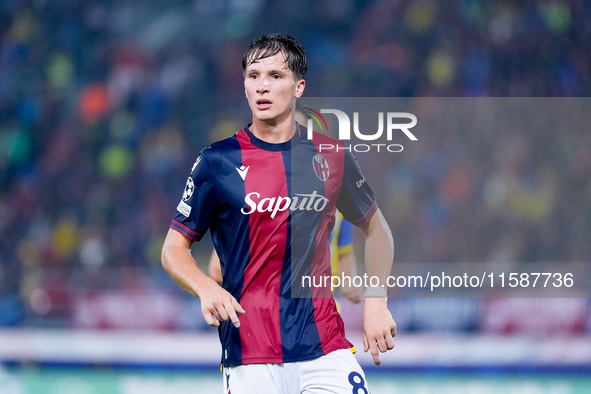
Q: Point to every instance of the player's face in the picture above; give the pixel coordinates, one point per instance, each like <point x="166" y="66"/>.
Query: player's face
<point x="271" y="89"/>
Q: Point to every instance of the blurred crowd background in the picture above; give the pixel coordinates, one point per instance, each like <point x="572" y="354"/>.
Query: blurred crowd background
<point x="104" y="106"/>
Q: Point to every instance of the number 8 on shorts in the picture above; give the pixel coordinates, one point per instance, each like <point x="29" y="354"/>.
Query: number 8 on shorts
<point x="358" y="383"/>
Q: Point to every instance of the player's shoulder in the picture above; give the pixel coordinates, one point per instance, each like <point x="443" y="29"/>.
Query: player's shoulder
<point x="325" y="139"/>
<point x="220" y="148"/>
<point x="230" y="142"/>
<point x="317" y="138"/>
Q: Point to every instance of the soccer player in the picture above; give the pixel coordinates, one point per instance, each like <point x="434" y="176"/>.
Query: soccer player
<point x="269" y="199"/>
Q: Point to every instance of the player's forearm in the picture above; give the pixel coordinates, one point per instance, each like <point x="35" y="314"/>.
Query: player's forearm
<point x="379" y="248"/>
<point x="378" y="326"/>
<point x="180" y="265"/>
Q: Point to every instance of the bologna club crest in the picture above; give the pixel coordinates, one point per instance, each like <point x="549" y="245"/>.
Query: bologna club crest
<point x="320" y="167"/>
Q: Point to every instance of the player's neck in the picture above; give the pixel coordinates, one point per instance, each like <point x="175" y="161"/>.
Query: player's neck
<point x="274" y="133"/>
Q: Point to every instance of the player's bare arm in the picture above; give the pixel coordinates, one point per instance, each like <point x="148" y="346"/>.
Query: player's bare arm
<point x="347" y="268"/>
<point x="215" y="268"/>
<point x="216" y="303"/>
<point x="379" y="328"/>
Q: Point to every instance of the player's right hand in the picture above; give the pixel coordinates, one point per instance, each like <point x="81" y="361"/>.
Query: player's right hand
<point x="218" y="305"/>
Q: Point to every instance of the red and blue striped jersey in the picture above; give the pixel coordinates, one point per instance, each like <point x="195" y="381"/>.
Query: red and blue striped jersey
<point x="270" y="209"/>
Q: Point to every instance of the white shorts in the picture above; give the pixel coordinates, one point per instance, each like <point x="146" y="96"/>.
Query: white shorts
<point x="334" y="373"/>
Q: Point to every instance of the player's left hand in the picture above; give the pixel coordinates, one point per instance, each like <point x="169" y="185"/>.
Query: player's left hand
<point x="379" y="328"/>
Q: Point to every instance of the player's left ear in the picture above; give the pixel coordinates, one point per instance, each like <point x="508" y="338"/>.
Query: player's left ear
<point x="299" y="90"/>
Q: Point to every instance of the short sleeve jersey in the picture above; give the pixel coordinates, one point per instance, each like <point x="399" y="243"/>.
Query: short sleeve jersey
<point x="270" y="209"/>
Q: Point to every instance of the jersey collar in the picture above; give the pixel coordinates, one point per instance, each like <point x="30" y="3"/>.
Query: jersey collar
<point x="282" y="146"/>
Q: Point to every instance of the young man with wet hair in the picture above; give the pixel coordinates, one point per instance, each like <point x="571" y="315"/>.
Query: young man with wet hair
<point x="269" y="199"/>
